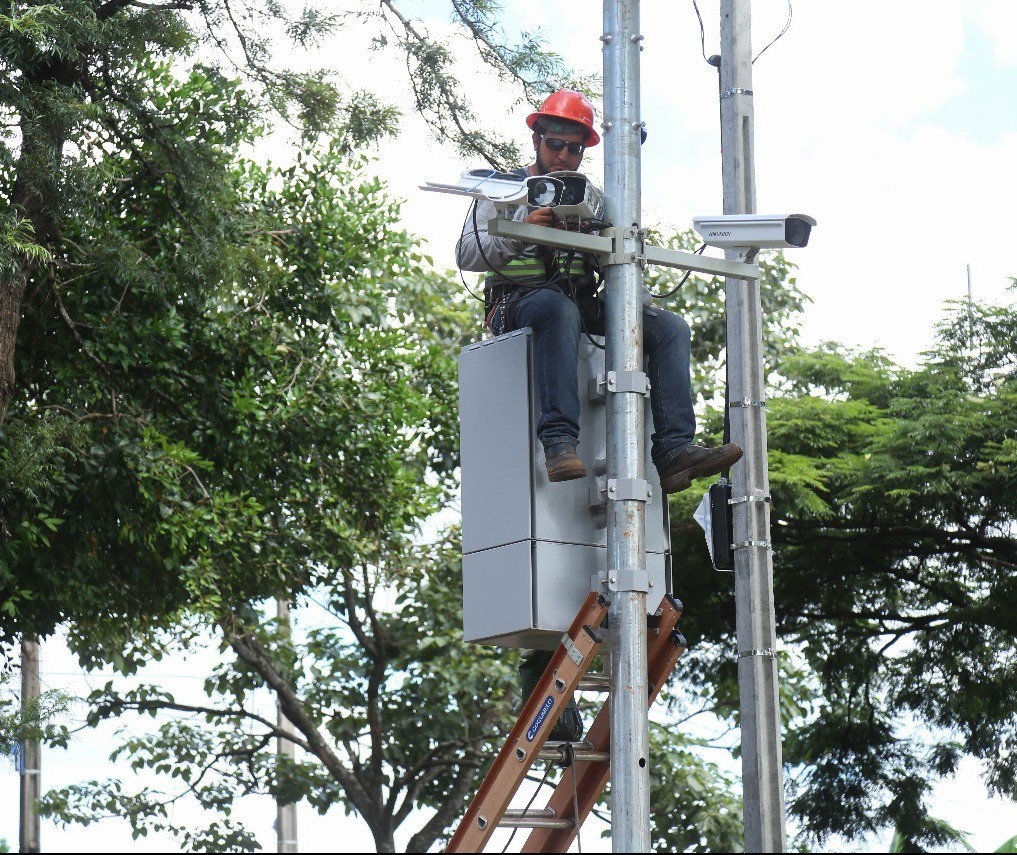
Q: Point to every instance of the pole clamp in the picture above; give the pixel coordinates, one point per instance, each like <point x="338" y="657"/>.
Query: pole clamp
<point x="619" y="381"/>
<point x="628" y="490"/>
<point x="618" y="255"/>
<point x="768" y="652"/>
<point x="730" y="93"/>
<point x="618" y="490"/>
<point x="747" y="402"/>
<point x="745" y="544"/>
<point x="741" y="499"/>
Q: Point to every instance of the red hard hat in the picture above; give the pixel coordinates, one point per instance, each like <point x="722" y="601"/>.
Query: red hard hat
<point x="571" y="105"/>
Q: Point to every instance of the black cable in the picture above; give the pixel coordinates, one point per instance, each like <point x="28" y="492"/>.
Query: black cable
<point x="787" y="24"/>
<point x="680" y="284"/>
<point x="529" y="804"/>
<point x="702" y="31"/>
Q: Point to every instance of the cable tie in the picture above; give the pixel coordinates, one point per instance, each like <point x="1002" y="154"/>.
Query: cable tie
<point x="768" y="652"/>
<point x="741" y="499"/>
<point x="764" y="544"/>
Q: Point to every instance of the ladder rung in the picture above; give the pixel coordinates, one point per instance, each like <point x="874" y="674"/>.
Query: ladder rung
<point x="595" y="682"/>
<point x="535" y="818"/>
<point x="580" y="751"/>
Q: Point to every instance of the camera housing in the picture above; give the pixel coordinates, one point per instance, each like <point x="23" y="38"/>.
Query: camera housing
<point x="760" y="231"/>
<point x="580" y="198"/>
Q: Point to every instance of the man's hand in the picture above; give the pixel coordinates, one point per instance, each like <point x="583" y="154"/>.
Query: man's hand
<point x="543" y="217"/>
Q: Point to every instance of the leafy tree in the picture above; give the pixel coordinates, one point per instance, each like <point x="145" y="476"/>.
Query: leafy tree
<point x="76" y="83"/>
<point x="390" y="708"/>
<point x="893" y="529"/>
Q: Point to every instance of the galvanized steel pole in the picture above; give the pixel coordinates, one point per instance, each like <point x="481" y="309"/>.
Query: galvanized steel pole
<point x="31" y="757"/>
<point x="285" y="812"/>
<point x="626" y="518"/>
<point x="757" y="668"/>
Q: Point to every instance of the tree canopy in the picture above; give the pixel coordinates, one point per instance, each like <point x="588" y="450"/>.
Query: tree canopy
<point x="223" y="382"/>
<point x="893" y="530"/>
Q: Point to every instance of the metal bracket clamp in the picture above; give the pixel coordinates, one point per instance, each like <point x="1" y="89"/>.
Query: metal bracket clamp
<point x="634" y="580"/>
<point x="571" y="649"/>
<point x="619" y="381"/>
<point x="747" y="402"/>
<point x="742" y="499"/>
<point x="768" y="652"/>
<point x="730" y="93"/>
<point x="619" y="490"/>
<point x="745" y="544"/>
<point x="618" y="255"/>
<point x="629" y="490"/>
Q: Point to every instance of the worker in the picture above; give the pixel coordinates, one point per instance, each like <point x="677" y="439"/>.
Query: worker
<point x="555" y="293"/>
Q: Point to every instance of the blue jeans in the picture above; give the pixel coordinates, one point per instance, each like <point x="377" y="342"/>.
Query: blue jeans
<point x="554" y="319"/>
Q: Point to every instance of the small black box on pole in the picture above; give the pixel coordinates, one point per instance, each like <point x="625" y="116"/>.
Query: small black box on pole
<point x="721" y="525"/>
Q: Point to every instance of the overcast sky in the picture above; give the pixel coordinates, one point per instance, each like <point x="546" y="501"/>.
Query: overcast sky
<point x="894" y="124"/>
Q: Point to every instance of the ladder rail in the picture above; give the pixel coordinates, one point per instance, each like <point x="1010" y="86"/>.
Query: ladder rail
<point x="590" y="777"/>
<point x="569" y="664"/>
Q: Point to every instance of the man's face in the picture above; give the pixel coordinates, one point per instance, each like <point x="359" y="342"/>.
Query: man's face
<point x="549" y="160"/>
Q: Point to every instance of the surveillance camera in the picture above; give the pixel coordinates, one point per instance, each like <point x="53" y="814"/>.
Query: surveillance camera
<point x="544" y="192"/>
<point x="580" y="198"/>
<point x="760" y="231"/>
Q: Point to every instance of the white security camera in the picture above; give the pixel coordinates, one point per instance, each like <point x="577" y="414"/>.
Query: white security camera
<point x="580" y="198"/>
<point x="759" y="231"/>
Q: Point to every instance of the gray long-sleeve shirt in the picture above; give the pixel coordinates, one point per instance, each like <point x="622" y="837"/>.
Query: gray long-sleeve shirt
<point x="479" y="251"/>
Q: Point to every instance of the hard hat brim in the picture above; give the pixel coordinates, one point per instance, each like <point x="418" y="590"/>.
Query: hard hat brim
<point x="592" y="137"/>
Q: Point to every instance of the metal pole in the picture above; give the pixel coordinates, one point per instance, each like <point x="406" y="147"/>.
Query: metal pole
<point x="757" y="667"/>
<point x="286" y="813"/>
<point x="29" y="836"/>
<point x="626" y="517"/>
<point x="971" y="312"/>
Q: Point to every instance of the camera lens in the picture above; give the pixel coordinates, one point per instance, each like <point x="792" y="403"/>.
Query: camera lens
<point x="796" y="231"/>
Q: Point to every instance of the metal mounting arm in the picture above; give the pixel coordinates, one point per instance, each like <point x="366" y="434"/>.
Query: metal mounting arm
<point x="604" y="246"/>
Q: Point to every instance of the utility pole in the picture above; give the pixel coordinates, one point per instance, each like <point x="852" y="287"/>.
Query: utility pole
<point x="286" y="812"/>
<point x="756" y="631"/>
<point x="626" y="516"/>
<point x="31" y="749"/>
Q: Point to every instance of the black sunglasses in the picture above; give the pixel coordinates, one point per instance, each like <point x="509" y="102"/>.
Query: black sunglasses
<point x="557" y="145"/>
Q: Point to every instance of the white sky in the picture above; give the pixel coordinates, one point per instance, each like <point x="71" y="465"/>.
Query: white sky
<point x="894" y="124"/>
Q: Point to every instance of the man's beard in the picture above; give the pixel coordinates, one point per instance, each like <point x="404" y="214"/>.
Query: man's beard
<point x="542" y="167"/>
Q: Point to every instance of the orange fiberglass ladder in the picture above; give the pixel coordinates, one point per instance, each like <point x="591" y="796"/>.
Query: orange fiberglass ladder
<point x="555" y="826"/>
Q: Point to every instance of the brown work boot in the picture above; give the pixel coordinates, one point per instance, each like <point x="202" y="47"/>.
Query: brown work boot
<point x="695" y="461"/>
<point x="562" y="462"/>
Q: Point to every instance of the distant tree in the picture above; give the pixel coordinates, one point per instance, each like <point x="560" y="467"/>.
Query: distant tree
<point x="894" y="506"/>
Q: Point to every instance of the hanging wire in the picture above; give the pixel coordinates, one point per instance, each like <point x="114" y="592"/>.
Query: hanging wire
<point x="702" y="31"/>
<point x="575" y="811"/>
<point x="787" y="24"/>
<point x="529" y="804"/>
<point x="680" y="284"/>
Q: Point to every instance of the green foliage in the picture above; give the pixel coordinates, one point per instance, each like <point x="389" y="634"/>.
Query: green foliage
<point x="1008" y="845"/>
<point x="40" y="721"/>
<point x="893" y="527"/>
<point x="394" y="711"/>
<point x="185" y="373"/>
<point x="694" y="807"/>
<point x="701" y="302"/>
